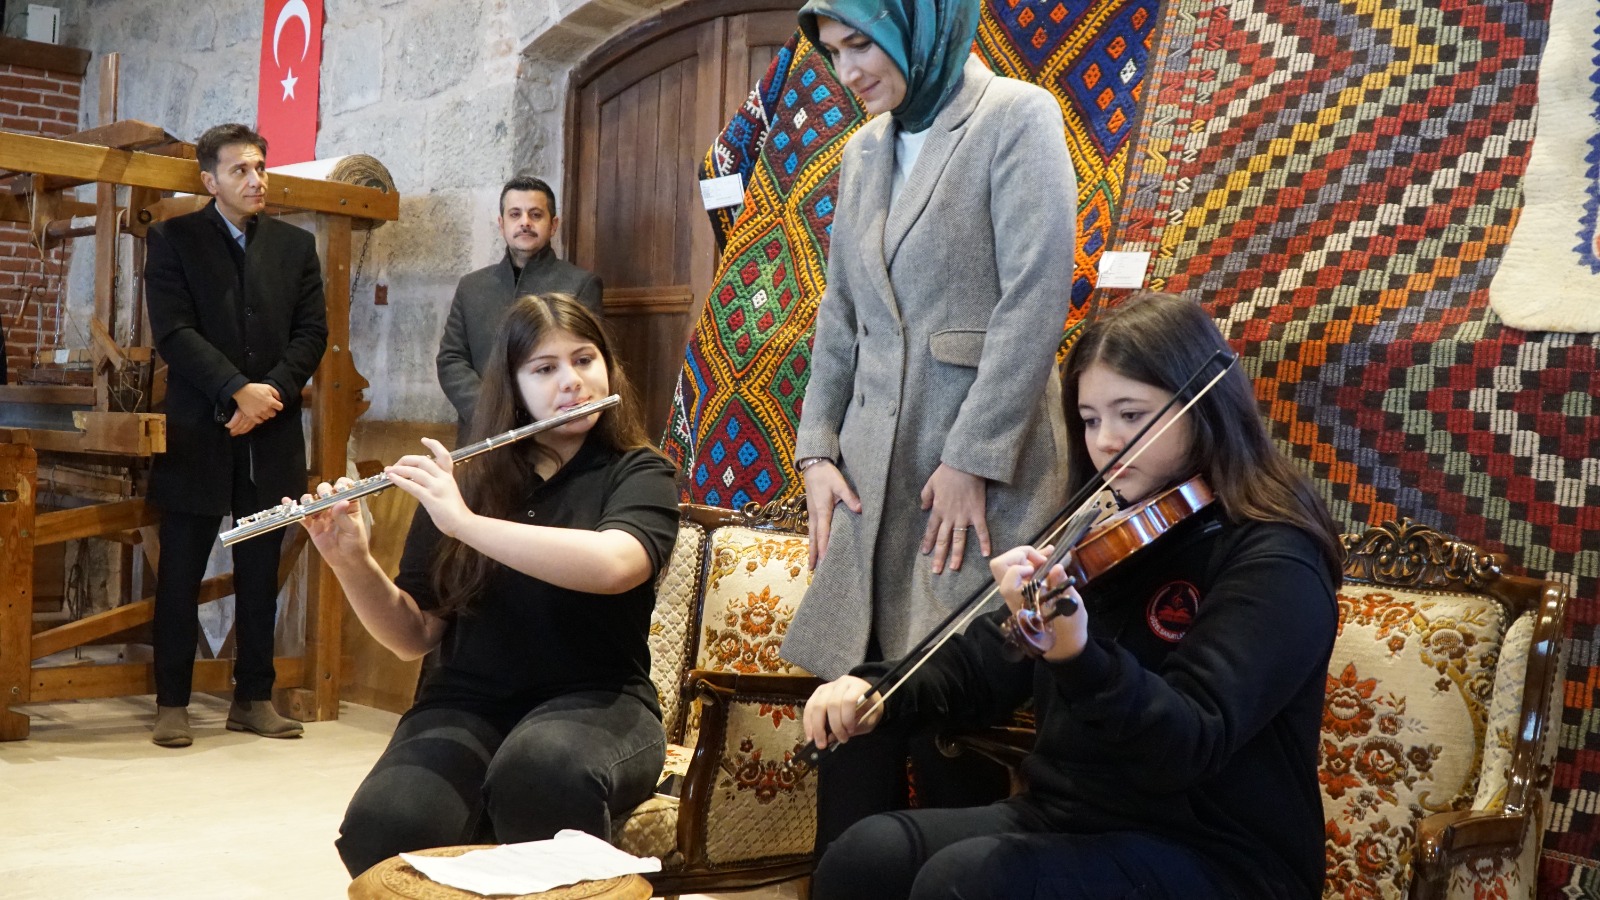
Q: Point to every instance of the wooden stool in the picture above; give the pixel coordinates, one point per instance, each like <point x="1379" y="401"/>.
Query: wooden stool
<point x="392" y="879"/>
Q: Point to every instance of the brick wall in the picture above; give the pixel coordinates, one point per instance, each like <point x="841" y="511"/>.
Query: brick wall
<point x="32" y="101"/>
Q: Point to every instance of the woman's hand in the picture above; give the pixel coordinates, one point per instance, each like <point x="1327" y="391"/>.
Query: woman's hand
<point x="431" y="479"/>
<point x="825" y="487"/>
<point x="955" y="500"/>
<point x="834" y="709"/>
<point x="1014" y="568"/>
<point x="339" y="532"/>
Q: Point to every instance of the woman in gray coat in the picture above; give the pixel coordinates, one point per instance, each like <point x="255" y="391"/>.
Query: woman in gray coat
<point x="932" y="429"/>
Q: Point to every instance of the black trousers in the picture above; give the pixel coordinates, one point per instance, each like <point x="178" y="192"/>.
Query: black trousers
<point x="1005" y="851"/>
<point x="186" y="542"/>
<point x="450" y="776"/>
<point x="869" y="775"/>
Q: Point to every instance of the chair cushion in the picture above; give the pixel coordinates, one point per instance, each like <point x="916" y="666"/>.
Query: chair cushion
<point x="651" y="828"/>
<point x="672" y="624"/>
<point x="754" y="584"/>
<point x="1407" y="711"/>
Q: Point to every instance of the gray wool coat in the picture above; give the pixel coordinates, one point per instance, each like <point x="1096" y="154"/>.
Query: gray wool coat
<point x="935" y="342"/>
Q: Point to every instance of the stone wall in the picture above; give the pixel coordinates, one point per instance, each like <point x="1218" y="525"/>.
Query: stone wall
<point x="452" y="97"/>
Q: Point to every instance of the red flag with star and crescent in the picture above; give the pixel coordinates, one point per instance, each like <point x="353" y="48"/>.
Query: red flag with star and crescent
<point x="291" y="58"/>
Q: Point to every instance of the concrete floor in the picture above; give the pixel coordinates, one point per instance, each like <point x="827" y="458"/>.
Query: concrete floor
<point x="89" y="807"/>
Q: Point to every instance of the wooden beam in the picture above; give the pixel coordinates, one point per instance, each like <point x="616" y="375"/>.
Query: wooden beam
<point x="105" y="348"/>
<point x="47" y="394"/>
<point x="122" y="434"/>
<point x="112" y="621"/>
<point x="46" y="156"/>
<point x="18" y="467"/>
<point x="124" y="679"/>
<point x="337" y="387"/>
<point x="82" y="355"/>
<point x="110" y="85"/>
<point x="49" y="57"/>
<point x="92" y="628"/>
<point x="172" y="207"/>
<point x="125" y="134"/>
<point x="15" y="208"/>
<point x="72" y="481"/>
<point x="92" y="521"/>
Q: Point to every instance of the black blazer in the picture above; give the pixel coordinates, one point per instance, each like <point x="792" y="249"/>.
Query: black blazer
<point x="218" y="332"/>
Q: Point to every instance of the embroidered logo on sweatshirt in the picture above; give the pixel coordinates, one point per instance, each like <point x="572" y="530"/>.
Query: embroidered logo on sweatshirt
<point x="1172" y="610"/>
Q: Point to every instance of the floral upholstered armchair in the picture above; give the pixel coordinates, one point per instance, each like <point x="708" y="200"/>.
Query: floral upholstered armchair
<point x="1438" y="735"/>
<point x="745" y="815"/>
<point x="1438" y="729"/>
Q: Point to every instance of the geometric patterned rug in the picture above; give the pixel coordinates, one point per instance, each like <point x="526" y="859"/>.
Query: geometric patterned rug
<point x="1337" y="182"/>
<point x="744" y="373"/>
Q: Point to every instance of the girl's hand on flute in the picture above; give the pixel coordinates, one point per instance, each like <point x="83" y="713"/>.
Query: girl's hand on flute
<point x="339" y="532"/>
<point x="432" y="481"/>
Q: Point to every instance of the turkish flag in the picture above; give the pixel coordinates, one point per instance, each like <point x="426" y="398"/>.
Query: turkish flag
<point x="291" y="58"/>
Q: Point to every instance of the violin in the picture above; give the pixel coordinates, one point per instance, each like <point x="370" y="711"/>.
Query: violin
<point x="1068" y="533"/>
<point x="1106" y="545"/>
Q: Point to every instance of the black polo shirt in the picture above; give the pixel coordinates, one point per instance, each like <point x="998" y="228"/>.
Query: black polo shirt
<point x="522" y="640"/>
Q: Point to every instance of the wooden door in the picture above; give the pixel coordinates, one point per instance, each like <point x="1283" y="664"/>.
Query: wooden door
<point x="642" y="112"/>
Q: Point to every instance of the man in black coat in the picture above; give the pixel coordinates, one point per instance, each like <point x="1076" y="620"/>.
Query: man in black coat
<point x="527" y="221"/>
<point x="236" y="308"/>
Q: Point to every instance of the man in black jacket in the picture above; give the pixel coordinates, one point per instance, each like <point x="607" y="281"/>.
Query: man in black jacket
<point x="527" y="221"/>
<point x="236" y="308"/>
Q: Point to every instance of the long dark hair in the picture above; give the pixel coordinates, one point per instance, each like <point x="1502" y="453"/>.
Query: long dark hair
<point x="1160" y="340"/>
<point x="493" y="484"/>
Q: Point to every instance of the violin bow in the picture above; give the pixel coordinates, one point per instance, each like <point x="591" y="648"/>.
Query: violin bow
<point x="1075" y="525"/>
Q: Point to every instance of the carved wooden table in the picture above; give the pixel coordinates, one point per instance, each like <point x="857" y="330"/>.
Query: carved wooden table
<point x="392" y="879"/>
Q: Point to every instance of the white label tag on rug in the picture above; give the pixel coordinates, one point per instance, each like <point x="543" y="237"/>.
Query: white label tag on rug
<point x="1123" y="268"/>
<point x="716" y="193"/>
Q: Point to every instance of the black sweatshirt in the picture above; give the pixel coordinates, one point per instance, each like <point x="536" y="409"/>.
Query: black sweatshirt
<point x="1193" y="712"/>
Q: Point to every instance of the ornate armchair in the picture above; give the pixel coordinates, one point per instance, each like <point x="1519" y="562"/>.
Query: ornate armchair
<point x="1438" y="733"/>
<point x="746" y="813"/>
<point x="1439" y="729"/>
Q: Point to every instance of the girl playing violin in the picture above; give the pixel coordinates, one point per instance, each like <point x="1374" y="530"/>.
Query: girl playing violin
<point x="533" y="568"/>
<point x="1180" y="704"/>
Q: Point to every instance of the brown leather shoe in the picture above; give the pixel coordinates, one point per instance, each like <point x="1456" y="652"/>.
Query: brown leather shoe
<point x="172" y="727"/>
<point x="260" y="717"/>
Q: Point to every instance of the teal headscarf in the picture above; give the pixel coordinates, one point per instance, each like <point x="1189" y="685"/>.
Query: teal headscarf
<point x="928" y="40"/>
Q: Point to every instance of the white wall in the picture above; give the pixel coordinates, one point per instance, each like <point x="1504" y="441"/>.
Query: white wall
<point x="453" y="97"/>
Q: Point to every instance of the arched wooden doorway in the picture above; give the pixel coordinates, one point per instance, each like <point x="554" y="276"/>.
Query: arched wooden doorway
<point x="641" y="112"/>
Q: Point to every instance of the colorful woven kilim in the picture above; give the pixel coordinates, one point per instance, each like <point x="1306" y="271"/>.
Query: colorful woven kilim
<point x="737" y="403"/>
<point x="1338" y="182"/>
<point x="744" y="374"/>
<point x="1091" y="54"/>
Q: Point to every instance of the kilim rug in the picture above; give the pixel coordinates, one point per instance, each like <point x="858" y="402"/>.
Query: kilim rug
<point x="1550" y="279"/>
<point x="738" y="394"/>
<point x="1337" y="182"/>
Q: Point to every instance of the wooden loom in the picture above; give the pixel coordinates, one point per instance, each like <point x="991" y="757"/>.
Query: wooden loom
<point x="40" y="170"/>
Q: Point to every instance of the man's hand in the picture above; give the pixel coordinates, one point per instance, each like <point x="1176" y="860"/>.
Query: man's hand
<point x="257" y="403"/>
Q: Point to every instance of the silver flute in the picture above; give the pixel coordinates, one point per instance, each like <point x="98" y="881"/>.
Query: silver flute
<point x="286" y="514"/>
